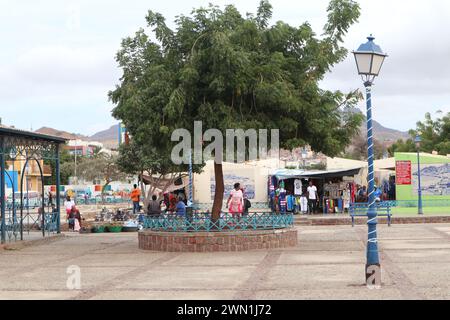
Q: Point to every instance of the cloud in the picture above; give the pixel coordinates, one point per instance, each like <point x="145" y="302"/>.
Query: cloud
<point x="63" y="64"/>
<point x="59" y="55"/>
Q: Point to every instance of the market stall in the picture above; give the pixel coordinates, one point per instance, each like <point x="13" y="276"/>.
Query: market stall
<point x="336" y="189"/>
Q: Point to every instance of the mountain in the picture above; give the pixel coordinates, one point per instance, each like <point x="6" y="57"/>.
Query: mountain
<point x="385" y="135"/>
<point x="382" y="134"/>
<point x="107" y="137"/>
<point x="61" y="134"/>
<point x="108" y="134"/>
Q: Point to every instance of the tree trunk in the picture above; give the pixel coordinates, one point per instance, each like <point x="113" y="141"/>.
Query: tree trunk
<point x="220" y="188"/>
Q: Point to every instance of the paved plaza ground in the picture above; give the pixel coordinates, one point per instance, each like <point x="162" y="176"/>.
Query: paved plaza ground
<point x="328" y="263"/>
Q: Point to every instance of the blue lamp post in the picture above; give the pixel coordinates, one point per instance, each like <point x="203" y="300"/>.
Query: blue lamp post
<point x="418" y="140"/>
<point x="369" y="60"/>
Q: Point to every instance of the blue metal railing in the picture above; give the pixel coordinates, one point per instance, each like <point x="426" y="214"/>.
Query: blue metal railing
<point x="425" y="203"/>
<point x="383" y="209"/>
<point x="202" y="222"/>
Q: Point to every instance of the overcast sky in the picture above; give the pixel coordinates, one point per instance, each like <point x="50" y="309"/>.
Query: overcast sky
<point x="57" y="57"/>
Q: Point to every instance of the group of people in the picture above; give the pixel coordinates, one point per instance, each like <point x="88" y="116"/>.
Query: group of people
<point x="304" y="200"/>
<point x="172" y="203"/>
<point x="362" y="195"/>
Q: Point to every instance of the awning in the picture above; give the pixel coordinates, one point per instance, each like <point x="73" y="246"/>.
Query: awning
<point x="284" y="174"/>
<point x="179" y="183"/>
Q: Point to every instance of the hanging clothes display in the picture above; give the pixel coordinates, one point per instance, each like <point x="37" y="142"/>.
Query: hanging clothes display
<point x="290" y="203"/>
<point x="298" y="187"/>
<point x="304" y="204"/>
<point x="282" y="195"/>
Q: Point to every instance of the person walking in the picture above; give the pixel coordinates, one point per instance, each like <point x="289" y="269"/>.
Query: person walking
<point x="312" y="198"/>
<point x="154" y="208"/>
<point x="136" y="198"/>
<point x="235" y="201"/>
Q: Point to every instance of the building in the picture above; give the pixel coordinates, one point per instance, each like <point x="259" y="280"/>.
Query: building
<point x="32" y="178"/>
<point x="83" y="148"/>
<point x="434" y="174"/>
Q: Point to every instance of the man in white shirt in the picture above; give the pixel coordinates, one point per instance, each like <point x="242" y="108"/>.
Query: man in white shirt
<point x="312" y="198"/>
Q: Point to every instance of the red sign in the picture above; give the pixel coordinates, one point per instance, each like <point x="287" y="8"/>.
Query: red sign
<point x="403" y="173"/>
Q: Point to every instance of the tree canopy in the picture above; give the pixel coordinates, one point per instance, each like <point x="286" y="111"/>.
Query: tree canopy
<point x="235" y="72"/>
<point x="435" y="136"/>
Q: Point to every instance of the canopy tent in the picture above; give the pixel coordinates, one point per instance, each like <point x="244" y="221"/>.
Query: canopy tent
<point x="177" y="184"/>
<point x="284" y="174"/>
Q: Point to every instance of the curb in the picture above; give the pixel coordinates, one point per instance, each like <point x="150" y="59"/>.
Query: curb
<point x="363" y="221"/>
<point x="19" y="245"/>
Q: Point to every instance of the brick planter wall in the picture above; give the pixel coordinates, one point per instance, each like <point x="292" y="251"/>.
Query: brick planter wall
<point x="217" y="241"/>
<point x="381" y="220"/>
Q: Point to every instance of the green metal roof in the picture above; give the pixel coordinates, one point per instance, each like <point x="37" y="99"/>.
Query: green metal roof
<point x="13" y="132"/>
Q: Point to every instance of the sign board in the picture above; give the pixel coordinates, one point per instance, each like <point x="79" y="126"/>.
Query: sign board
<point x="403" y="173"/>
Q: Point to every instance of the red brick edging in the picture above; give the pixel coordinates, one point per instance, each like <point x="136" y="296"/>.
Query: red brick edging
<point x="217" y="241"/>
<point x="381" y="220"/>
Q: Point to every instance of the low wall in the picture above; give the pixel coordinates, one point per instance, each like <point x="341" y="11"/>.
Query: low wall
<point x="217" y="241"/>
<point x="381" y="220"/>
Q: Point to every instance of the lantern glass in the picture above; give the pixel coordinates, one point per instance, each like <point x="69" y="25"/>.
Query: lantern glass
<point x="363" y="61"/>
<point x="377" y="62"/>
<point x="417" y="141"/>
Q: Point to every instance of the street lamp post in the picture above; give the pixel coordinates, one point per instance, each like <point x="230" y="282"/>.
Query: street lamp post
<point x="418" y="140"/>
<point x="369" y="60"/>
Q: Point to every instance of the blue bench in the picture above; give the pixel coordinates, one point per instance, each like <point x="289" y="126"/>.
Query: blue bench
<point x="360" y="210"/>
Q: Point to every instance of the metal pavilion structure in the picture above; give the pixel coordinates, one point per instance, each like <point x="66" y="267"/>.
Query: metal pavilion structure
<point x="25" y="147"/>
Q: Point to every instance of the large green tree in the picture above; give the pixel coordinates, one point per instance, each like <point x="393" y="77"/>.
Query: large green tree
<point x="435" y="136"/>
<point x="230" y="71"/>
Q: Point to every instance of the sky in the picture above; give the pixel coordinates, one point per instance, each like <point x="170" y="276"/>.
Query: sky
<point x="57" y="57"/>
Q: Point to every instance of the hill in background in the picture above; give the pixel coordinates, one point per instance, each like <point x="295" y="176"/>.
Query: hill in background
<point x="109" y="137"/>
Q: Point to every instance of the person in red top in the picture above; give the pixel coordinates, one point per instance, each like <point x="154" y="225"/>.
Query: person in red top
<point x="136" y="198"/>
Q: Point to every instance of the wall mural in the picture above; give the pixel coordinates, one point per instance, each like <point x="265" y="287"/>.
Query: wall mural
<point x="434" y="178"/>
<point x="245" y="177"/>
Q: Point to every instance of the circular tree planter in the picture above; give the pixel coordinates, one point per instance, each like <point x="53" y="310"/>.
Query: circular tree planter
<point x="217" y="241"/>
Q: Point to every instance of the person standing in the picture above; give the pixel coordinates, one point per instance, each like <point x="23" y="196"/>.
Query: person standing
<point x="136" y="198"/>
<point x="181" y="208"/>
<point x="247" y="204"/>
<point x="68" y="204"/>
<point x="235" y="201"/>
<point x="312" y="198"/>
<point x="50" y="199"/>
<point x="154" y="208"/>
<point x="76" y="216"/>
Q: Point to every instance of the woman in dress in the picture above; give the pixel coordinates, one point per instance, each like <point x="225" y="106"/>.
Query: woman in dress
<point x="235" y="201"/>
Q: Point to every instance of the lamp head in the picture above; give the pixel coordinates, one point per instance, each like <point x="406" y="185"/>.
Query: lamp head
<point x="369" y="59"/>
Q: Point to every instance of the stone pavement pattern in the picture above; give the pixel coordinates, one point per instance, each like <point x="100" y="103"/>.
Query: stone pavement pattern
<point x="328" y="263"/>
